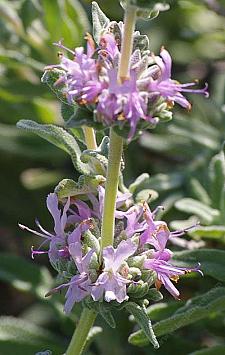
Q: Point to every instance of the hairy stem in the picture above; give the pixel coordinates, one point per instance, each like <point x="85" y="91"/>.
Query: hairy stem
<point x="80" y="335"/>
<point x="115" y="153"/>
<point x="116" y="142"/>
<point x="87" y="319"/>
<point x="127" y="43"/>
<point x="89" y="135"/>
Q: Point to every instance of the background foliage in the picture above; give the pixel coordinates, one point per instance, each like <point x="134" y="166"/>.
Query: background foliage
<point x="185" y="160"/>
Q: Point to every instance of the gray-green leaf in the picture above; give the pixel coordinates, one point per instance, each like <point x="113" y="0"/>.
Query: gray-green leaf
<point x="59" y="137"/>
<point x="195" y="309"/>
<point x="144" y="322"/>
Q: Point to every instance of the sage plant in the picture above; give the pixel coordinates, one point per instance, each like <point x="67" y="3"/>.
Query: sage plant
<point x="108" y="247"/>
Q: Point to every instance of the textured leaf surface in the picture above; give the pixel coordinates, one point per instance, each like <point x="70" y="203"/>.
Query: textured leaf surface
<point x="59" y="137"/>
<point x="85" y="184"/>
<point x="144" y="322"/>
<point x="99" y="20"/>
<point x="195" y="309"/>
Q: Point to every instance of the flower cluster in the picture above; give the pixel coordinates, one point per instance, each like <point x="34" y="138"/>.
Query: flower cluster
<point x="139" y="257"/>
<point x="91" y="80"/>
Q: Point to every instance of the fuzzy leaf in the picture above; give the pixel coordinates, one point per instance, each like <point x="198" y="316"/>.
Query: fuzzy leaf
<point x="212" y="261"/>
<point x="59" y="137"/>
<point x="85" y="185"/>
<point x="205" y="213"/>
<point x="20" y="337"/>
<point x="107" y="315"/>
<point x="100" y="21"/>
<point x="96" y="159"/>
<point x="154" y="295"/>
<point x="144" y="322"/>
<point x="199" y="307"/>
<point x="49" y="78"/>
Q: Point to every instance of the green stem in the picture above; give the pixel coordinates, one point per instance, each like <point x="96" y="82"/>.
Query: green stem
<point x="115" y="153"/>
<point x="87" y="319"/>
<point x="90" y="139"/>
<point x="116" y="142"/>
<point x="127" y="42"/>
<point x="80" y="335"/>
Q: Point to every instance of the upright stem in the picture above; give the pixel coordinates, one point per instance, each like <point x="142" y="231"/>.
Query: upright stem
<point x="127" y="43"/>
<point x="89" y="135"/>
<point x="79" y="338"/>
<point x="86" y="321"/>
<point x="115" y="153"/>
<point x="116" y="142"/>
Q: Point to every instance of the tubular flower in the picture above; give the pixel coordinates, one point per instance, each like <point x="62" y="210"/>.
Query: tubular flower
<point x="170" y="89"/>
<point x="75" y="253"/>
<point x="166" y="272"/>
<point x="139" y="101"/>
<point x="112" y="283"/>
<point x="56" y="240"/>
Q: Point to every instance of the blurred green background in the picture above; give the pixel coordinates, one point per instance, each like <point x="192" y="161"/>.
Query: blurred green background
<point x="176" y="154"/>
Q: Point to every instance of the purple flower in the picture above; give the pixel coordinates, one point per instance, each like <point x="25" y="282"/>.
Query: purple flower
<point x="81" y="77"/>
<point x="56" y="240"/>
<point x="166" y="271"/>
<point x="80" y="285"/>
<point x="83" y="211"/>
<point x="123" y="102"/>
<point x="170" y="89"/>
<point x="112" y="281"/>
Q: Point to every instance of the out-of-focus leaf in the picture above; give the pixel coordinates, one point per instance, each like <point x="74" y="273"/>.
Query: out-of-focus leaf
<point x="25" y="275"/>
<point x="205" y="213"/>
<point x="199" y="192"/>
<point x="214" y="350"/>
<point x="138" y="182"/>
<point x="217" y="177"/>
<point x="29" y="11"/>
<point x="33" y="179"/>
<point x="163" y="182"/>
<point x="195" y="309"/>
<point x="94" y="331"/>
<point x="65" y="19"/>
<point x="59" y="137"/>
<point x="209" y="232"/>
<point x="146" y="195"/>
<point x="18" y="143"/>
<point x="21" y="337"/>
<point x="212" y="261"/>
